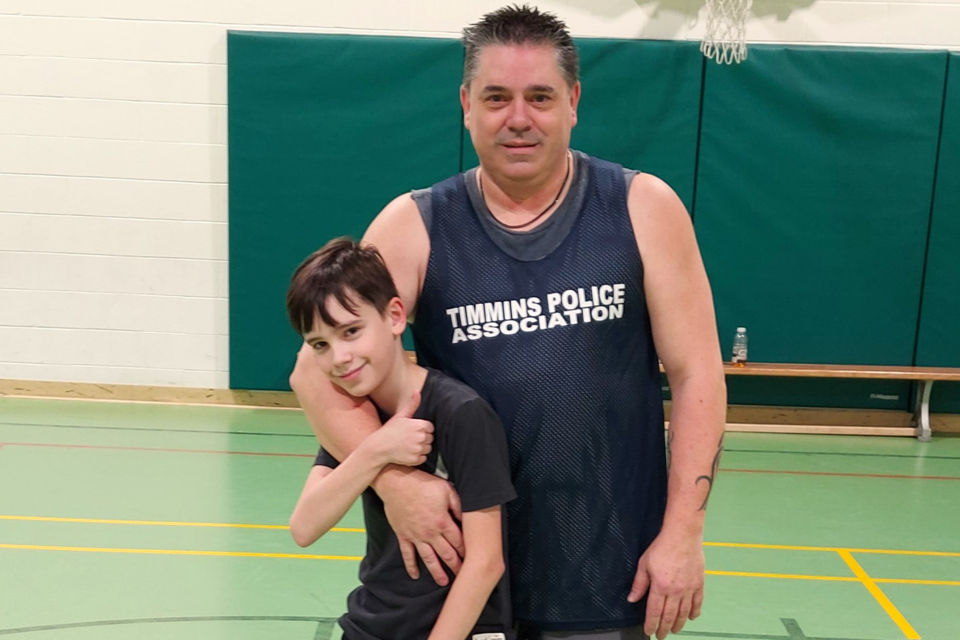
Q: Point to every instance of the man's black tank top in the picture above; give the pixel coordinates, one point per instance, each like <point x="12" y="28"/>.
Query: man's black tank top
<point x="562" y="348"/>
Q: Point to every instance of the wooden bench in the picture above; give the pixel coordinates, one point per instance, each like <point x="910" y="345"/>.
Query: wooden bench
<point x="926" y="376"/>
<point x="920" y="421"/>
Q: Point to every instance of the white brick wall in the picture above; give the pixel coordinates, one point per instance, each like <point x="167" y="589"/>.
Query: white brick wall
<point x="113" y="199"/>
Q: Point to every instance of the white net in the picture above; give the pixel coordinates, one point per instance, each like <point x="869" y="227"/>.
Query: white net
<point x="726" y="26"/>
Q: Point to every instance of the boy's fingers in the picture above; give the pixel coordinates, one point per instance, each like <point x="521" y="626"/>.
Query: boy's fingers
<point x="409" y="558"/>
<point x="409" y="406"/>
<point x="432" y="563"/>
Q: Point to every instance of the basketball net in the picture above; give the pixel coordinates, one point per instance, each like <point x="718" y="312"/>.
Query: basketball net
<point x="726" y="27"/>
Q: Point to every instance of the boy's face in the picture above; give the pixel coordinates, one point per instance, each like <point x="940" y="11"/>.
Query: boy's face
<point x="361" y="351"/>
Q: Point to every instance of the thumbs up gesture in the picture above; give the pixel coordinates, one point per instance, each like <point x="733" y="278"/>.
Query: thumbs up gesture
<point x="404" y="439"/>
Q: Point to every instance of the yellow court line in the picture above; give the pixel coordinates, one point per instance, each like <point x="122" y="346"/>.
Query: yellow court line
<point x="941" y="583"/>
<point x="304" y="556"/>
<point x="157" y="523"/>
<point x="178" y="552"/>
<point x="880" y="596"/>
<point x="942" y="554"/>
<point x="229" y="525"/>
<point x="778" y="547"/>
<point x="785" y="576"/>
<point x="784" y="547"/>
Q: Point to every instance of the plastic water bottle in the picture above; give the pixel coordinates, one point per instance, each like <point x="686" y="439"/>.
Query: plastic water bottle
<point x="739" y="358"/>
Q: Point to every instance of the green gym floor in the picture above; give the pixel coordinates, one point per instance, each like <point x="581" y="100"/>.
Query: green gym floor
<point x="158" y="521"/>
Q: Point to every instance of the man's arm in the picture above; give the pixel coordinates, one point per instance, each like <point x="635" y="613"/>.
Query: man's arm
<point x="339" y="420"/>
<point x="482" y="569"/>
<point x="685" y="333"/>
<point x="417" y="505"/>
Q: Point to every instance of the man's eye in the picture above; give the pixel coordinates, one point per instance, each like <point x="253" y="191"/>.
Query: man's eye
<point x="541" y="98"/>
<point x="495" y="98"/>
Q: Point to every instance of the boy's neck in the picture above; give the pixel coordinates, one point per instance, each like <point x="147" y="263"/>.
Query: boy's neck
<point x="403" y="379"/>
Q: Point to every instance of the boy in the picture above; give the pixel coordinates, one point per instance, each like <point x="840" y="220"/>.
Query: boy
<point x="343" y="302"/>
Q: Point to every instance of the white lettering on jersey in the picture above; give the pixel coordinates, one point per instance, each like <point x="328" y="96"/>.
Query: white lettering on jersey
<point x="596" y="303"/>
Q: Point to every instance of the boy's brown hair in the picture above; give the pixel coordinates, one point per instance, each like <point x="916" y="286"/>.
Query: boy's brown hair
<point x="345" y="270"/>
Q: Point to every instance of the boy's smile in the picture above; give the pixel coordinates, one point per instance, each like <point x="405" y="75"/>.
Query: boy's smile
<point x="359" y="352"/>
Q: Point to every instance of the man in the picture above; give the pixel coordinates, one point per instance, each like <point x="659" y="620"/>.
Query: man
<point x="550" y="282"/>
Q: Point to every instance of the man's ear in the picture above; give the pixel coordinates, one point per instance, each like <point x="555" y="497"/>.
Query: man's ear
<point x="574" y="102"/>
<point x="465" y="104"/>
<point x="396" y="313"/>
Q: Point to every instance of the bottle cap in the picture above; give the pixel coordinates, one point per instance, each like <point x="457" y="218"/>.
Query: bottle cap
<point x="742" y="329"/>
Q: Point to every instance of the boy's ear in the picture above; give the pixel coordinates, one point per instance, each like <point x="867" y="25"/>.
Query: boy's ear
<point x="397" y="314"/>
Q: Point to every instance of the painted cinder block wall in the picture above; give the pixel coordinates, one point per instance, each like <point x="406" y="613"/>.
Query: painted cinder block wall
<point x="113" y="163"/>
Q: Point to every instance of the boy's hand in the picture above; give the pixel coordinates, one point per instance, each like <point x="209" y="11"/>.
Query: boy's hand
<point x="402" y="439"/>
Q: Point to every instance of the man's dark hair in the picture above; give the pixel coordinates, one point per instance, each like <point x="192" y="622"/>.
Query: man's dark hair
<point x="520" y="25"/>
<point x="342" y="269"/>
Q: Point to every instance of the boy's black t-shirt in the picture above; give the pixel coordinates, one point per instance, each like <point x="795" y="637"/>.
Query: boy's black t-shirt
<point x="470" y="450"/>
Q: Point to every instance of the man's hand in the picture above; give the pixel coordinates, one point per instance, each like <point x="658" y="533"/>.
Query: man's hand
<point x="672" y="569"/>
<point x="419" y="507"/>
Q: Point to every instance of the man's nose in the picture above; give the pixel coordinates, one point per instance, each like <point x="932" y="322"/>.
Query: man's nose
<point x="519" y="119"/>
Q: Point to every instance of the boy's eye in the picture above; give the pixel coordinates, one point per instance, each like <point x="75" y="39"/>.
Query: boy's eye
<point x="351" y="331"/>
<point x="319" y="346"/>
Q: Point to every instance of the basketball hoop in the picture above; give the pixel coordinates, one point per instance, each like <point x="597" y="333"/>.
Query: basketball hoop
<point x="726" y="27"/>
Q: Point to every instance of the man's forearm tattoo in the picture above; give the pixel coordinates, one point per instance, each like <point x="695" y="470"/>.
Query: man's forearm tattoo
<point x="713" y="474"/>
<point x="670" y="435"/>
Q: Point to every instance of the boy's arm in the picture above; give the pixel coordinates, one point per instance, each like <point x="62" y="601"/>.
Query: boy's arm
<point x="329" y="492"/>
<point x="481" y="571"/>
<point x="474" y="447"/>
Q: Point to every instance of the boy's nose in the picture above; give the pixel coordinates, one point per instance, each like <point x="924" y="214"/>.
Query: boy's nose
<point x="341" y="354"/>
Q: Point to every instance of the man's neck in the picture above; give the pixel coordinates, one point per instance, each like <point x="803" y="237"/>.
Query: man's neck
<point x="526" y="195"/>
<point x="403" y="379"/>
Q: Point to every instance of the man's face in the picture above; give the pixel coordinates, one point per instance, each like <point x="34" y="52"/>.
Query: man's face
<point x="358" y="353"/>
<point x="520" y="111"/>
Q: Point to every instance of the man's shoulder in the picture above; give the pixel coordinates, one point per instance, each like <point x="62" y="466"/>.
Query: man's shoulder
<point x="628" y="173"/>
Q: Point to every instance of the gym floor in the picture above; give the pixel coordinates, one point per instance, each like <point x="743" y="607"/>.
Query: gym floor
<point x="122" y="520"/>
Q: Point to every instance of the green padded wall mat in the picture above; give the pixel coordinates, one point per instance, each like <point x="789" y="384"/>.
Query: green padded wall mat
<point x="938" y="344"/>
<point x="813" y="200"/>
<point x="324" y="131"/>
<point x="640" y="107"/>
